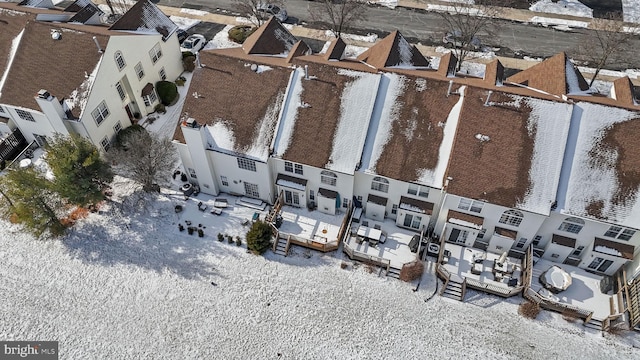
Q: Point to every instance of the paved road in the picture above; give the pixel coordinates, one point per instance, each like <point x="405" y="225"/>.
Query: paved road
<point x="513" y="40"/>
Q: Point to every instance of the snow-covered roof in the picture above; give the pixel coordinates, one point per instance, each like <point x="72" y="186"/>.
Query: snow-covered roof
<point x="412" y="123"/>
<point x="602" y="181"/>
<point x="517" y="159"/>
<point x="325" y="117"/>
<point x="240" y="119"/>
<point x="68" y="74"/>
<point x="144" y="16"/>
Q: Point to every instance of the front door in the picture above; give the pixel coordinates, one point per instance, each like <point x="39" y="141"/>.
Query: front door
<point x="458" y="236"/>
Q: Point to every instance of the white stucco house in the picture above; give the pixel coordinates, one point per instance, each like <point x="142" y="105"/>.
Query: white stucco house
<point x="71" y="77"/>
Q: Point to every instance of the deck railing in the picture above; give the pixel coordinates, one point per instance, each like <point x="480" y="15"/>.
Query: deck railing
<point x="308" y="243"/>
<point x="366" y="258"/>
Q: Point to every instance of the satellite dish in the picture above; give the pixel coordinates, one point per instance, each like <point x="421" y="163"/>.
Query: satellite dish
<point x="56" y="35"/>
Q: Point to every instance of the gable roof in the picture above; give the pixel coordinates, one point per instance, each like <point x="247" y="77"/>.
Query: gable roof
<point x="299" y="49"/>
<point x="393" y="51"/>
<point x="556" y="75"/>
<point x="509" y="153"/>
<point x="77" y="5"/>
<point x="622" y="91"/>
<point x="240" y="119"/>
<point x="86" y="13"/>
<point x="64" y="75"/>
<point x="270" y="39"/>
<point x="146" y="15"/>
<point x="408" y="130"/>
<point x="325" y="117"/>
<point x="335" y="50"/>
<point x="13" y="23"/>
<point x="46" y="4"/>
<point x="603" y="181"/>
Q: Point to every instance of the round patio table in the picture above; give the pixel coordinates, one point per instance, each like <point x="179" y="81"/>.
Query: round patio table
<point x="555" y="279"/>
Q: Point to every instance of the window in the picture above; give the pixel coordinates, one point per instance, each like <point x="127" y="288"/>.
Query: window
<point x="246" y="164"/>
<point x="2" y="110"/>
<point x="312" y="195"/>
<point x="105" y="144"/>
<point x="600" y="264"/>
<point x="413" y="189"/>
<point x="150" y="99"/>
<point x="25" y="115"/>
<point x="470" y="205"/>
<point x="380" y="184"/>
<point x="423" y="191"/>
<point x="394" y="209"/>
<point x="413" y="221"/>
<point x="224" y="181"/>
<point x="298" y="169"/>
<point x="511" y="217"/>
<point x="481" y="234"/>
<point x="536" y="240"/>
<point x="359" y="197"/>
<point x="100" y="113"/>
<point x="577" y="251"/>
<point x="620" y="233"/>
<point x="288" y="166"/>
<point x="572" y="225"/>
<point x="120" y="60"/>
<point x="162" y="73"/>
<point x="345" y="203"/>
<point x="521" y="242"/>
<point x="120" y="91"/>
<point x="192" y="173"/>
<point x="117" y="127"/>
<point x="155" y="53"/>
<point x="327" y="177"/>
<point x="139" y="70"/>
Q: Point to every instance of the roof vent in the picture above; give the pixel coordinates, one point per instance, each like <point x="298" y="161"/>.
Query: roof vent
<point x="56" y="35"/>
<point x="254" y="67"/>
<point x="44" y="94"/>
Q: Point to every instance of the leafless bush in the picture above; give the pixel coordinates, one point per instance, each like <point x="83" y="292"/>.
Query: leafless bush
<point x="411" y="271"/>
<point x="529" y="309"/>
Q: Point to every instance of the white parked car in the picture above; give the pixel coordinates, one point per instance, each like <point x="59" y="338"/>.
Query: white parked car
<point x="193" y="43"/>
<point x="269" y="10"/>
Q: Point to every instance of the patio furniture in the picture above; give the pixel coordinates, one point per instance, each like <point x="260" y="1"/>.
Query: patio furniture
<point x="216" y="211"/>
<point x="476" y="268"/>
<point x="479" y="257"/>
<point x="245" y="222"/>
<point x="555" y="279"/>
<point x="256" y="216"/>
<point x="202" y="207"/>
<point x="383" y="237"/>
<point x="357" y="214"/>
<point x="377" y="227"/>
<point x="512" y="282"/>
<point x="445" y="257"/>
<point x="500" y="267"/>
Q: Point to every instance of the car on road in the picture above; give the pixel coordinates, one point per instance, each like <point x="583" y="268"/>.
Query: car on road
<point x="268" y="10"/>
<point x="193" y="43"/>
<point x="455" y="38"/>
<point x="182" y="35"/>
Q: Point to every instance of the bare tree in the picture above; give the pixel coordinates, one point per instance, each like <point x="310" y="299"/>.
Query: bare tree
<point x="339" y="15"/>
<point x="252" y="10"/>
<point x="463" y="24"/>
<point x="145" y="158"/>
<point x="607" y="43"/>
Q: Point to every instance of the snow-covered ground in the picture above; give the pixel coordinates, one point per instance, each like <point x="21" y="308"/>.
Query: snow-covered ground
<point x="125" y="284"/>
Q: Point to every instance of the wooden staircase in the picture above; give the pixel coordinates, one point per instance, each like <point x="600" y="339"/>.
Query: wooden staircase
<point x="281" y="247"/>
<point x="633" y="302"/>
<point x="595" y="324"/>
<point x="454" y="288"/>
<point x="394" y="272"/>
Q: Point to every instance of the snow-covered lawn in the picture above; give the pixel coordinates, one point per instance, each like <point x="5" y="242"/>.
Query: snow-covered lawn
<point x="125" y="283"/>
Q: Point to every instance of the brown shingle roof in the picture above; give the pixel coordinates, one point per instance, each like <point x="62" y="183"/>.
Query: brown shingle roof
<point x="58" y="66"/>
<point x="452" y="214"/>
<point x="299" y="49"/>
<point x="77" y="5"/>
<point x="240" y="108"/>
<point x="425" y="206"/>
<point x="447" y="65"/>
<point x="494" y="73"/>
<point x="563" y="240"/>
<point x="497" y="170"/>
<point x="335" y="50"/>
<point x="377" y="199"/>
<point x="270" y="39"/>
<point x="622" y="91"/>
<point x="414" y="142"/>
<point x="11" y="25"/>
<point x="393" y="50"/>
<point x="626" y="250"/>
<point x="511" y="234"/>
<point x="554" y="75"/>
<point x="146" y="15"/>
